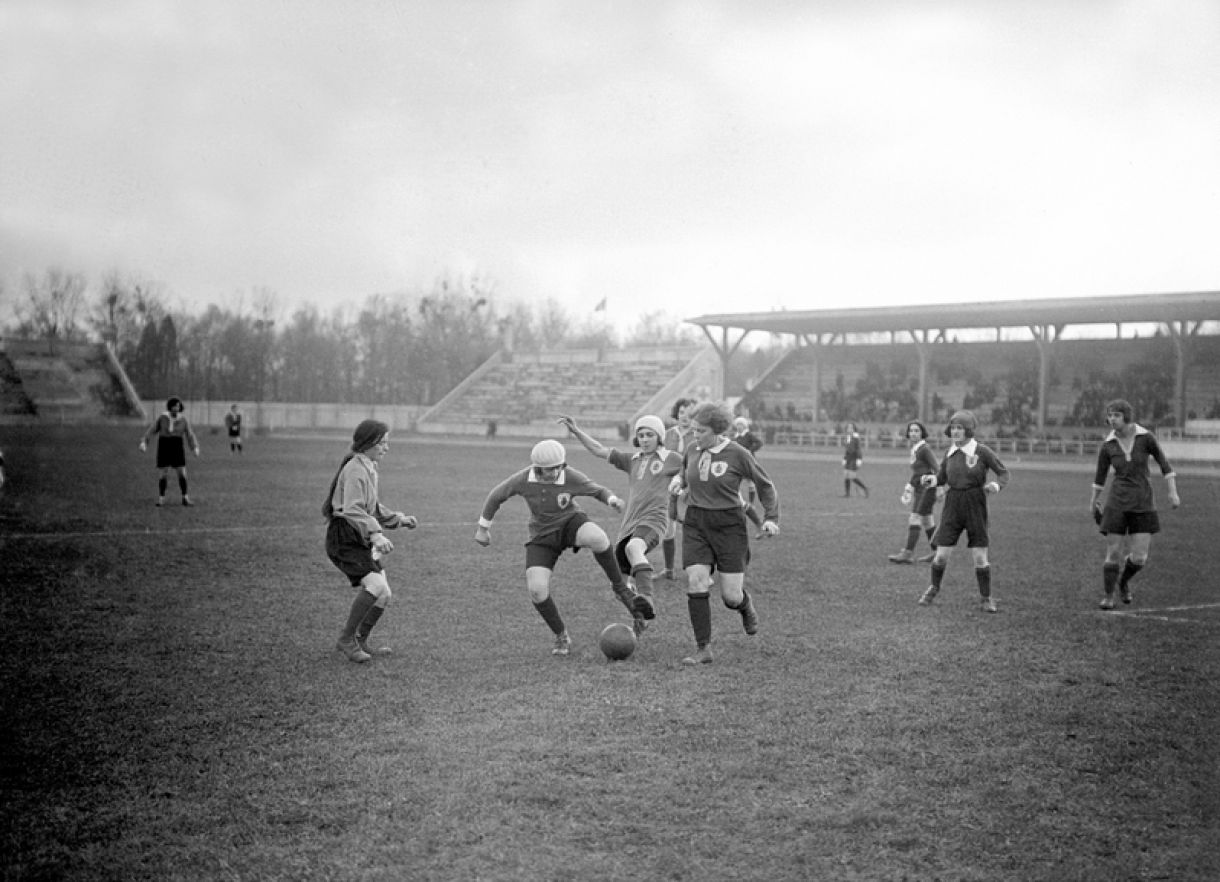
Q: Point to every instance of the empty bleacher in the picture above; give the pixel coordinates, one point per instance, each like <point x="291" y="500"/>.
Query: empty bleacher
<point x="51" y="379"/>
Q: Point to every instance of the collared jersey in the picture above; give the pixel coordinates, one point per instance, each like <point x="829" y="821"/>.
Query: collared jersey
<point x="550" y="504"/>
<point x="1130" y="490"/>
<point x="966" y="467"/>
<point x="678" y="439"/>
<point x="648" y="477"/>
<point x="923" y="462"/>
<point x="356" y="497"/>
<point x="169" y="426"/>
<point x="712" y="478"/>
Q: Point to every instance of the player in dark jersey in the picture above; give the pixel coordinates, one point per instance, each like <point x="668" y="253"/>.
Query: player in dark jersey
<point x="173" y="433"/>
<point x="233" y="428"/>
<point x="921" y="499"/>
<point x="677" y="438"/>
<point x="649" y="470"/>
<point x="1128" y="519"/>
<point x="714" y="534"/>
<point x="853" y="458"/>
<point x="550" y="488"/>
<point x="964" y="471"/>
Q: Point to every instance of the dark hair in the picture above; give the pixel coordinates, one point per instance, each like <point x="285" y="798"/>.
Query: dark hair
<point x="923" y="430"/>
<point x="715" y="416"/>
<point x="366" y="436"/>
<point x="678" y="405"/>
<point x="1123" y="406"/>
<point x="173" y="402"/>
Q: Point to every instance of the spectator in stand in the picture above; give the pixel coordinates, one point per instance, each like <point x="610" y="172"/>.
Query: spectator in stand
<point x="921" y="499"/>
<point x="1129" y="517"/>
<point x="173" y="433"/>
<point x="964" y="472"/>
<point x="853" y="458"/>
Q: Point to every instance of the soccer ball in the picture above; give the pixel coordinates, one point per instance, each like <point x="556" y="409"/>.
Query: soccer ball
<point x="617" y="641"/>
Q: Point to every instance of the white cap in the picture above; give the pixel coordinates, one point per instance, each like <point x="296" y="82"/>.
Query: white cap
<point x="653" y="423"/>
<point x="548" y="454"/>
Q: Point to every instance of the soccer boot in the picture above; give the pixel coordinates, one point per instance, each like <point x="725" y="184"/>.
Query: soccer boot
<point x="925" y="599"/>
<point x="702" y="656"/>
<point x="372" y="650"/>
<point x="927" y="558"/>
<point x="350" y="648"/>
<point x="1124" y="591"/>
<point x="563" y="644"/>
<point x="903" y="557"/>
<point x="642" y="607"/>
<point x="988" y="605"/>
<point x="638" y="625"/>
<point x="749" y="618"/>
<point x="667" y="574"/>
<point x="1107" y="602"/>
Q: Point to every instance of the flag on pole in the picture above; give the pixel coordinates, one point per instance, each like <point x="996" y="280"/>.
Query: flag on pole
<point x="601" y="307"/>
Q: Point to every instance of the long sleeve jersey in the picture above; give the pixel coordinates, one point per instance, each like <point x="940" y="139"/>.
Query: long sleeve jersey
<point x="171" y="426"/>
<point x="356" y="499"/>
<point x="923" y="462"/>
<point x="550" y="504"/>
<point x="712" y="478"/>
<point x="1130" y="490"/>
<point x="966" y="467"/>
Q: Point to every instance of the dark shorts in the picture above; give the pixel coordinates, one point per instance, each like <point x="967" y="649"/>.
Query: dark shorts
<point x="925" y="501"/>
<point x="171" y="452"/>
<point x="1123" y="523"/>
<point x="544" y="550"/>
<point x="717" y="538"/>
<point x="651" y="541"/>
<point x="965" y="512"/>
<point x="348" y="551"/>
<point x="234" y="433"/>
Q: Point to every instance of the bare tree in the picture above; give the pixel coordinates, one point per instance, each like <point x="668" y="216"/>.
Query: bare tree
<point x="52" y="306"/>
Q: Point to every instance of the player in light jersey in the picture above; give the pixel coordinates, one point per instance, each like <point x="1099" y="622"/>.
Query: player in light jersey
<point x="714" y="534"/>
<point x="646" y="517"/>
<point x="550" y="488"/>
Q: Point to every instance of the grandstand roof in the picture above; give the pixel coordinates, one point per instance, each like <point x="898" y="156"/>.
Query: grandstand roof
<point x="1125" y="309"/>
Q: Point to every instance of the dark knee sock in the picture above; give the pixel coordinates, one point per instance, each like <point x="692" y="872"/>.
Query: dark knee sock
<point x="371" y="618"/>
<point x="162" y="486"/>
<point x="668" y="549"/>
<point x="360" y="608"/>
<point x="860" y="484"/>
<point x="746" y="602"/>
<point x="609" y="564"/>
<point x="846" y="487"/>
<point x="938" y="573"/>
<point x="983" y="576"/>
<point x="754" y="517"/>
<point x="912" y="537"/>
<point x="931" y="531"/>
<point x="643" y="578"/>
<point x="1109" y="577"/>
<point x="700" y="609"/>
<point x="550" y="615"/>
<point x="182" y="484"/>
<point x="1130" y="568"/>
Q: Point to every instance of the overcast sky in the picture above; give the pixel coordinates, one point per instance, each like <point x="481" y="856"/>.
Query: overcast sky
<point x="691" y="157"/>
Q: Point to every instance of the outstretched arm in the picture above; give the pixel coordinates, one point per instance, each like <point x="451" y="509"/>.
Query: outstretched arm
<point x="590" y="443"/>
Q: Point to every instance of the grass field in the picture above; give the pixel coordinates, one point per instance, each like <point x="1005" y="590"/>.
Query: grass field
<point x="173" y="707"/>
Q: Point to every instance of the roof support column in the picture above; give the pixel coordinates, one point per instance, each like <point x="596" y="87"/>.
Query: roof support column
<point x="1044" y="338"/>
<point x="725" y="350"/>
<point x="922" y="340"/>
<point x="815" y="343"/>
<point x="1181" y="333"/>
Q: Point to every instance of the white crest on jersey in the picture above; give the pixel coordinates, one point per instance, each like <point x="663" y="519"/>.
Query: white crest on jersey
<point x="719" y="468"/>
<point x="564" y="499"/>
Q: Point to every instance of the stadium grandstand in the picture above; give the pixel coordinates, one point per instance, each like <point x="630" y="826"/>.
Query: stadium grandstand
<point x="973" y="354"/>
<point x="64" y="382"/>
